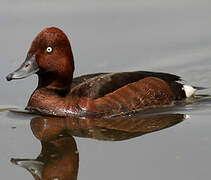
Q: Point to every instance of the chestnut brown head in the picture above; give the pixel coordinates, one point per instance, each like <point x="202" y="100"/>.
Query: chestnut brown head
<point x="50" y="56"/>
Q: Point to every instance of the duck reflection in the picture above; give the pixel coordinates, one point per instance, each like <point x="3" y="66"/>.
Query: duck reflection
<point x="59" y="156"/>
<point x="58" y="159"/>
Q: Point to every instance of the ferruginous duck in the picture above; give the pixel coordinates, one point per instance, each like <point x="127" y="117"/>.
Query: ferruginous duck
<point x="101" y="94"/>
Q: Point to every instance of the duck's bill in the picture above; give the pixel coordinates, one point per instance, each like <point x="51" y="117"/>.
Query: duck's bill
<point x="28" y="68"/>
<point x="35" y="167"/>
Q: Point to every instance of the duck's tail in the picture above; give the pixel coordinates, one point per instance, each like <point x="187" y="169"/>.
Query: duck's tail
<point x="190" y="90"/>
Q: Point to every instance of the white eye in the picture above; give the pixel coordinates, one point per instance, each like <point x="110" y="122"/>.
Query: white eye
<point x="49" y="49"/>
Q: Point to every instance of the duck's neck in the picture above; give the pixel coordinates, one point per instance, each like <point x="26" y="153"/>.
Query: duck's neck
<point x="60" y="85"/>
<point x="60" y="77"/>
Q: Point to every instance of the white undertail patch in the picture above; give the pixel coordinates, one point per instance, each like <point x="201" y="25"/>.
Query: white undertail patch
<point x="186" y="116"/>
<point x="189" y="90"/>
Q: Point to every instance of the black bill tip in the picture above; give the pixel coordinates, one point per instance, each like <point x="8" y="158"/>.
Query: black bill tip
<point x="9" y="77"/>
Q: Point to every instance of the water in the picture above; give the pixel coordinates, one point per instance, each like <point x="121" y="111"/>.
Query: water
<point x="169" y="36"/>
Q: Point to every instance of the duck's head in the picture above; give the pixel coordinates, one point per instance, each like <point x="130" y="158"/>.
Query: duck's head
<point x="50" y="56"/>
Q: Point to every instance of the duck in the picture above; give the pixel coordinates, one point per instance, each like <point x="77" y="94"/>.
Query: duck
<point x="104" y="94"/>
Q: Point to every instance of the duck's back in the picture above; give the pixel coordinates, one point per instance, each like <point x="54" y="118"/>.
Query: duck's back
<point x="100" y="84"/>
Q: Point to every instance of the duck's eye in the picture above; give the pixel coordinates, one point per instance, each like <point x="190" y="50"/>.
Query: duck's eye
<point x="49" y="49"/>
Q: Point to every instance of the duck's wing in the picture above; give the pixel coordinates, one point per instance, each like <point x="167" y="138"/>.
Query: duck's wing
<point x="99" y="84"/>
<point x="81" y="79"/>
